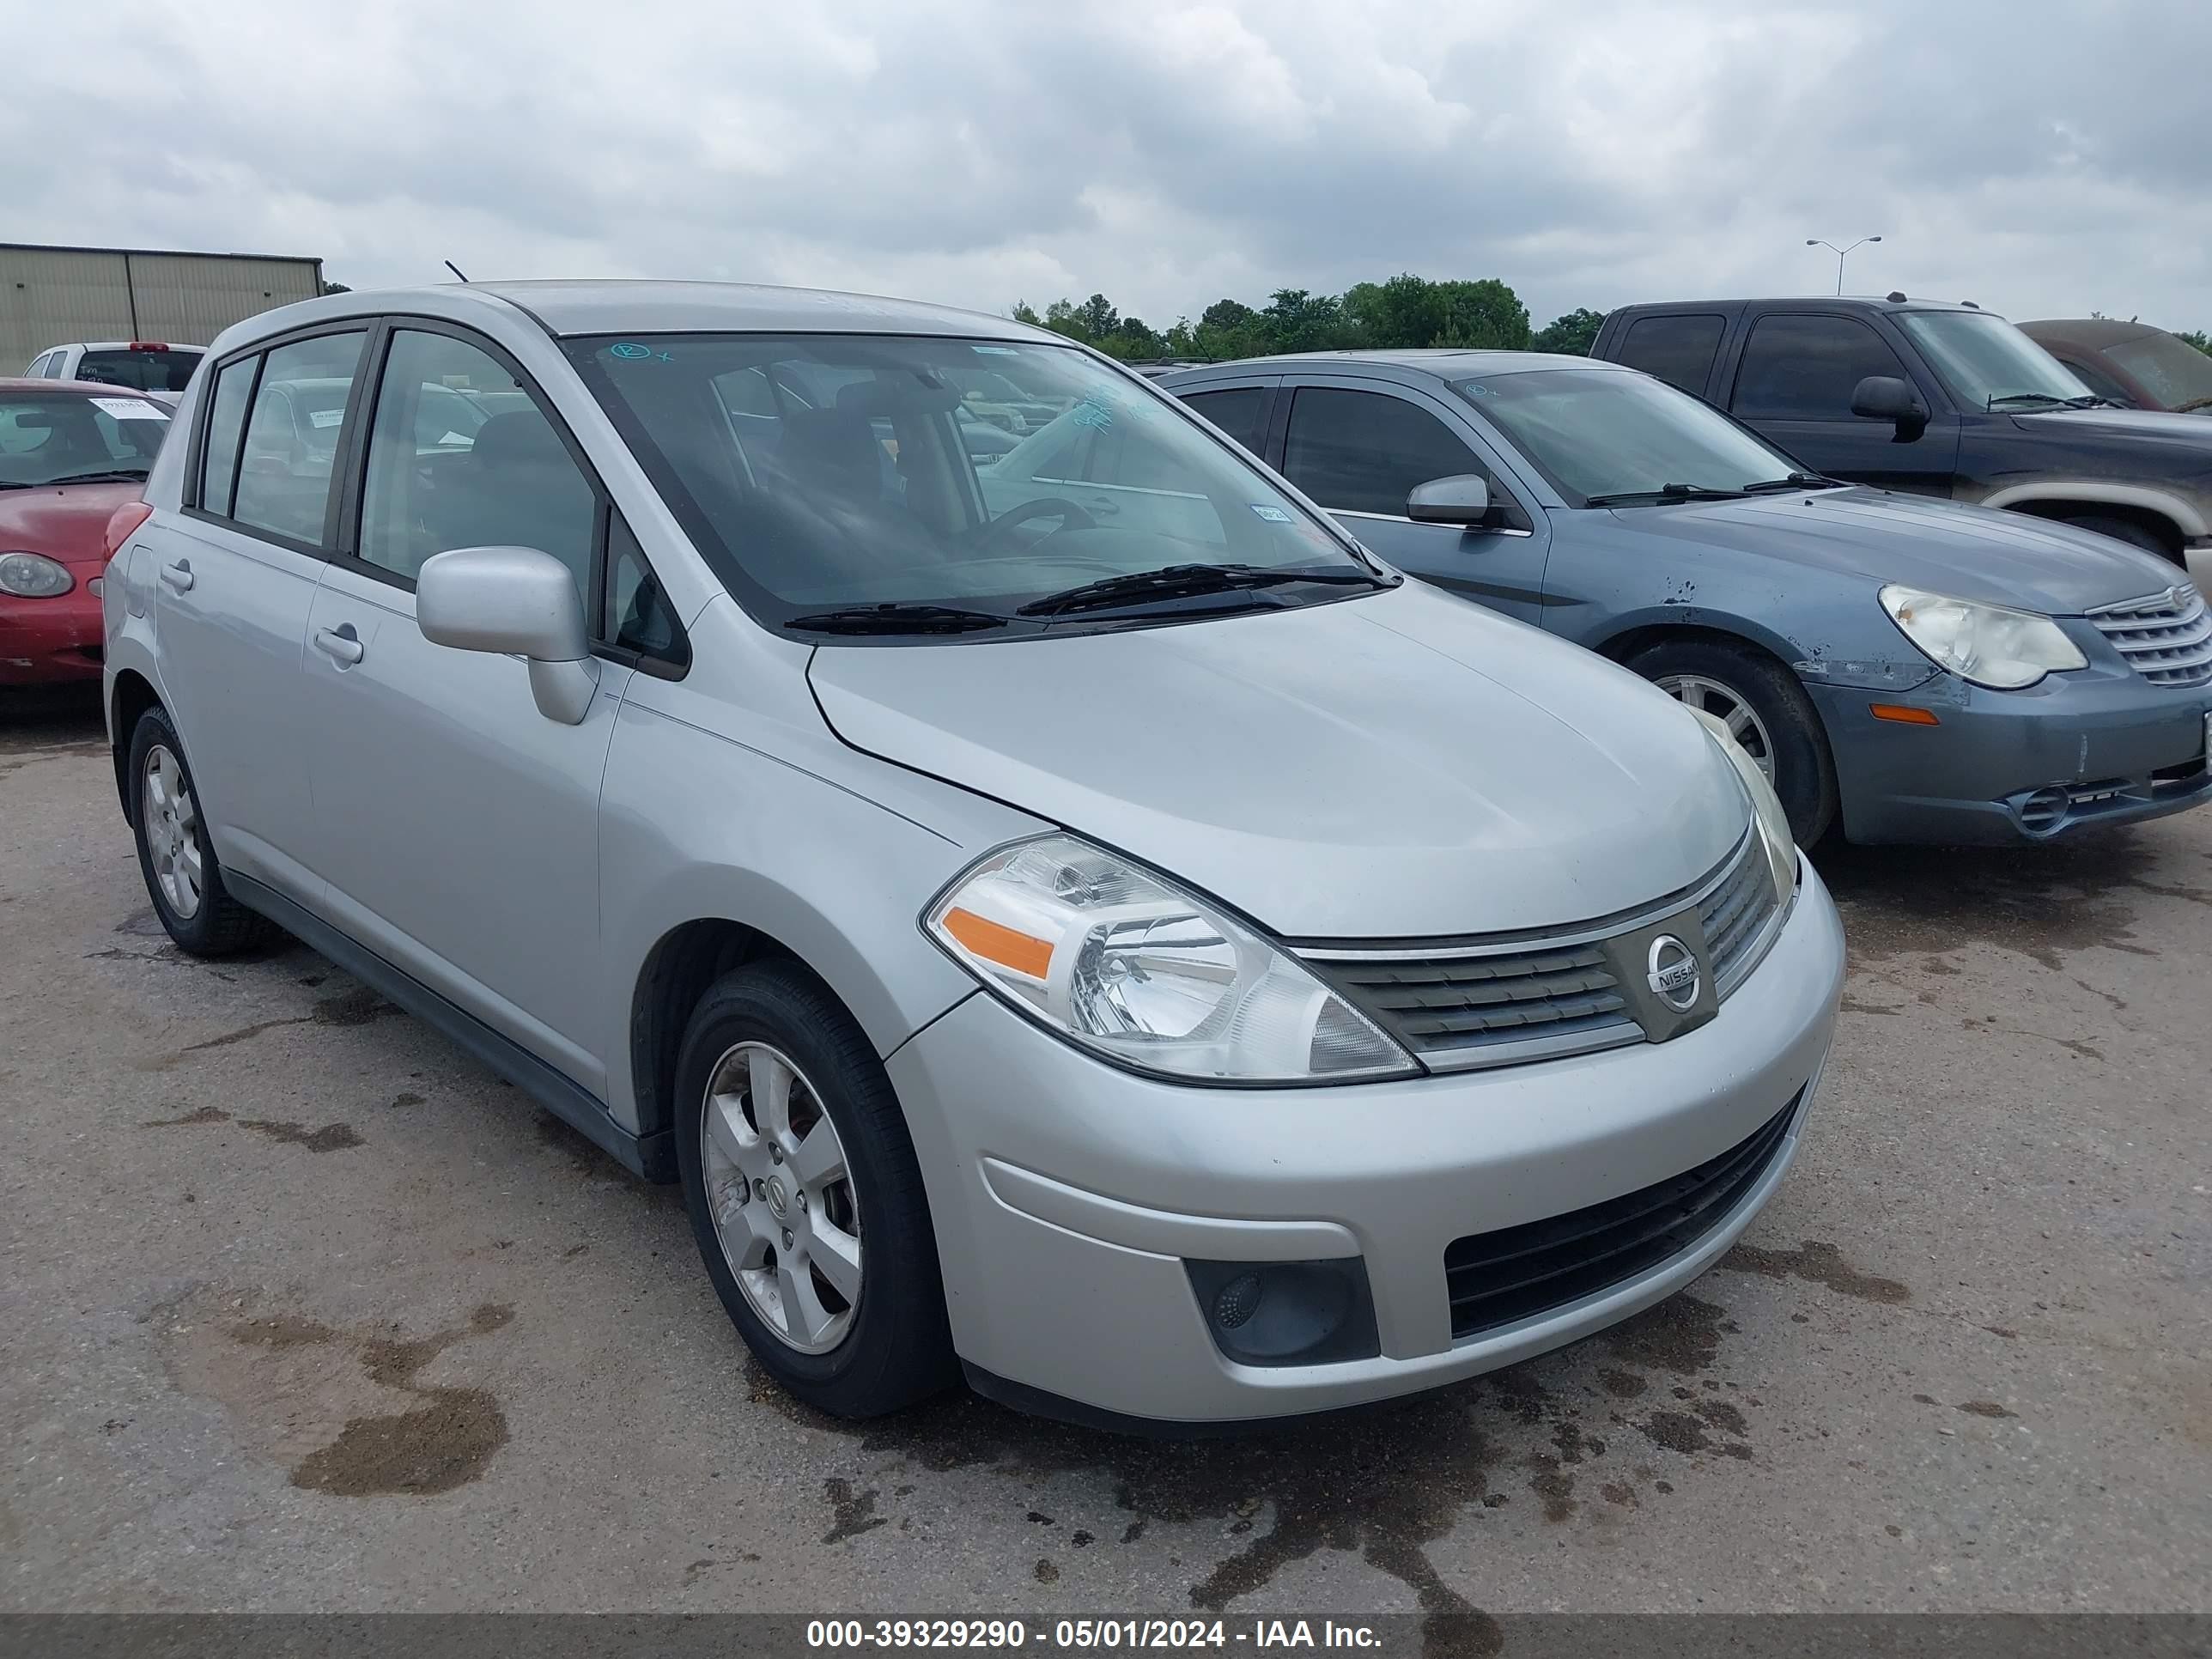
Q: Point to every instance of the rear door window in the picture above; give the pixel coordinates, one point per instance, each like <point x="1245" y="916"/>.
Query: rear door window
<point x="295" y="435"/>
<point x="1679" y="350"/>
<point x="1805" y="367"/>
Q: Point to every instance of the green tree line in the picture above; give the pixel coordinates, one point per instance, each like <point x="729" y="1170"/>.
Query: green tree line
<point x="1406" y="310"/>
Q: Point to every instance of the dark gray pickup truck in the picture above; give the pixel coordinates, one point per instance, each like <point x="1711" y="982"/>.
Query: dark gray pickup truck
<point x="1935" y="399"/>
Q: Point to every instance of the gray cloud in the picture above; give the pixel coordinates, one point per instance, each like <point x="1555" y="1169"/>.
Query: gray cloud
<point x="2041" y="160"/>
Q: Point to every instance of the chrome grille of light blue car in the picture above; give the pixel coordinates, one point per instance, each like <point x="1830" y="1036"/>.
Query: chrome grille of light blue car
<point x="2165" y="637"/>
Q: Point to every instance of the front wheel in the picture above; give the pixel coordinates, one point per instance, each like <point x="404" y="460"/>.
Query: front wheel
<point x="805" y="1196"/>
<point x="1768" y="713"/>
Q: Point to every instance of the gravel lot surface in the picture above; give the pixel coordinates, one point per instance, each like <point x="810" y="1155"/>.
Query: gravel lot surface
<point x="304" y="1310"/>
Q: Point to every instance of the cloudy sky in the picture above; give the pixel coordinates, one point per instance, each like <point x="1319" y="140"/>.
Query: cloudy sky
<point x="2042" y="158"/>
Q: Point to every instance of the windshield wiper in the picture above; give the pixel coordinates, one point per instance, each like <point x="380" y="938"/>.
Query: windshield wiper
<point x="1794" y="481"/>
<point x="2194" y="403"/>
<point x="2092" y="400"/>
<point x="2039" y="397"/>
<point x="1667" y="492"/>
<point x="1183" y="580"/>
<point x="112" y="475"/>
<point x="897" y="617"/>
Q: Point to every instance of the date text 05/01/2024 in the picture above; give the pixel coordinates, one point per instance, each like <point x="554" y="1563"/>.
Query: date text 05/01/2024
<point x="1087" y="1634"/>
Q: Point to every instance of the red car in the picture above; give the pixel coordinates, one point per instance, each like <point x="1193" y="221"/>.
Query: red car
<point x="72" y="455"/>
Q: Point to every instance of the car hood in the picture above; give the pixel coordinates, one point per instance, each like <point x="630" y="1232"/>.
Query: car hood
<point x="1402" y="765"/>
<point x="1967" y="552"/>
<point x="2162" y="426"/>
<point x="66" y="524"/>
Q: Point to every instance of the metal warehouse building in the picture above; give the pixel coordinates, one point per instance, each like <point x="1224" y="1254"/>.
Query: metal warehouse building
<point x="55" y="296"/>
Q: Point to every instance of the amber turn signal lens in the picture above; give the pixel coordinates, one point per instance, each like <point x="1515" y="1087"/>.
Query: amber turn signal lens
<point x="995" y="942"/>
<point x="1902" y="714"/>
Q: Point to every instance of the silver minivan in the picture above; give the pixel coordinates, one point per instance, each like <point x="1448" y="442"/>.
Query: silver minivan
<point x="1095" y="929"/>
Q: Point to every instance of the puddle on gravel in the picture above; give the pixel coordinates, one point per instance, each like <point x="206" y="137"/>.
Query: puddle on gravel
<point x="321" y="1399"/>
<point x="1821" y="1264"/>
<point x="1522" y="1447"/>
<point x="357" y="1006"/>
<point x="331" y="1138"/>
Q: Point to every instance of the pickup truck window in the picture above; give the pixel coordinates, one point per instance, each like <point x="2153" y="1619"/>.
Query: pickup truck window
<point x="1236" y="412"/>
<point x="1679" y="350"/>
<point x="1804" y="368"/>
<point x="1987" y="363"/>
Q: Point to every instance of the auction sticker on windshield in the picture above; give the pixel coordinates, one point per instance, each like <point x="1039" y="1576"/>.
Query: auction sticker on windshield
<point x="131" y="409"/>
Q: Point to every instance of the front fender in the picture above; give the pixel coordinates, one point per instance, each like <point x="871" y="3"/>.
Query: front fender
<point x="1846" y="654"/>
<point x="694" y="827"/>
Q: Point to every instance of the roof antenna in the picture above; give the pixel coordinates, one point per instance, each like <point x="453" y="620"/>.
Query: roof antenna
<point x="455" y="268"/>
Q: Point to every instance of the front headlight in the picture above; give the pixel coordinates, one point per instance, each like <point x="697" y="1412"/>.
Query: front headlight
<point x="1768" y="818"/>
<point x="1147" y="975"/>
<point x="1984" y="644"/>
<point x="33" y="576"/>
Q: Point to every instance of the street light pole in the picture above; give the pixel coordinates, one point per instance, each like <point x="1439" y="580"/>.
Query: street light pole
<point x="1814" y="241"/>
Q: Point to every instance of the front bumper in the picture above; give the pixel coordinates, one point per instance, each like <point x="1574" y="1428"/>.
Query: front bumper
<point x="43" y="641"/>
<point x="2098" y="745"/>
<point x="1067" y="1195"/>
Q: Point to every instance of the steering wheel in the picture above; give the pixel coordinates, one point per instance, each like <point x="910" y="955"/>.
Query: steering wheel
<point x="1071" y="516"/>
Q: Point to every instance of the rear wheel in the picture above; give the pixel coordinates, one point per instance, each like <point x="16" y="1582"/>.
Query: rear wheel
<point x="175" y="855"/>
<point x="805" y="1196"/>
<point x="1768" y="713"/>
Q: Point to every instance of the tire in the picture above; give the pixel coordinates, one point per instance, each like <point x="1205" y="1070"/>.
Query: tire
<point x="170" y="831"/>
<point x="890" y="1345"/>
<point x="2125" y="529"/>
<point x="1803" y="772"/>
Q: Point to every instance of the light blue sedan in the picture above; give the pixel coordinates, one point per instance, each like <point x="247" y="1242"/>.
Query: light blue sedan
<point x="1919" y="670"/>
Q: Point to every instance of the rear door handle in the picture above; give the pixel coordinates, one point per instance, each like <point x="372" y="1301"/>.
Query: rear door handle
<point x="178" y="575"/>
<point x="340" y="644"/>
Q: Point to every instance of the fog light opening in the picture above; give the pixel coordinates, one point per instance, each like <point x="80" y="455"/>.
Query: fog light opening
<point x="1288" y="1313"/>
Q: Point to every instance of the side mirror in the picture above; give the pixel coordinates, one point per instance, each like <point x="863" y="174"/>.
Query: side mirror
<point x="1886" y="397"/>
<point x="1463" y="499"/>
<point x="518" y="601"/>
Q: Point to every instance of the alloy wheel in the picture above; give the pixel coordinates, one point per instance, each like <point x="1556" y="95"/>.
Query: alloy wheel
<point x="171" y="832"/>
<point x="780" y="1195"/>
<point x="1728" y="706"/>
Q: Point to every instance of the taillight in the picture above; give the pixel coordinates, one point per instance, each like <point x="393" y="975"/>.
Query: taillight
<point x="123" y="524"/>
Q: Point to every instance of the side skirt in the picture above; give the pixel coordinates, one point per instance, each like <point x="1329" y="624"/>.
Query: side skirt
<point x="652" y="1156"/>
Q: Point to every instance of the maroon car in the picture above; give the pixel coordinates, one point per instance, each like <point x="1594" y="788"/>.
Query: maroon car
<point x="2131" y="363"/>
<point x="73" y="455"/>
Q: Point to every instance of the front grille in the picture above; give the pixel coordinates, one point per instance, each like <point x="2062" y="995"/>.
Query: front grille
<point x="2165" y="637"/>
<point x="1463" y="1002"/>
<point x="1735" y="915"/>
<point x="1496" y="1279"/>
<point x="1437" y="1003"/>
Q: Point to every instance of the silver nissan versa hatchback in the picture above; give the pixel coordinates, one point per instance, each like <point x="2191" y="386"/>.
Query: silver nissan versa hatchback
<point x="1099" y="930"/>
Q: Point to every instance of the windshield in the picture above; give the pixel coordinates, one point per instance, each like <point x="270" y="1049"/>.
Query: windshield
<point x="167" y="369"/>
<point x="1988" y="363"/>
<point x="2172" y="371"/>
<point x="825" y="472"/>
<point x="49" y="437"/>
<point x="1597" y="432"/>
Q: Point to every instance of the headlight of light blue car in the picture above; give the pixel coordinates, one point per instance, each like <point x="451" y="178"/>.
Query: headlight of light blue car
<point x="1984" y="644"/>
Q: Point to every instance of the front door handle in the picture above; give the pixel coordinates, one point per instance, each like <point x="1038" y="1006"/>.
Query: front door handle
<point x="340" y="644"/>
<point x="178" y="575"/>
